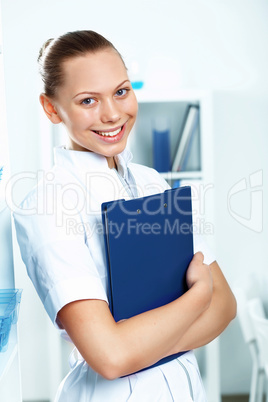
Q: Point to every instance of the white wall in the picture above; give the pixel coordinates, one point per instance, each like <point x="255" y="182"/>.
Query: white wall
<point x="218" y="45"/>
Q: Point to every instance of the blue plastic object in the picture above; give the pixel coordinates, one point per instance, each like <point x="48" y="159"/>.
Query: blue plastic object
<point x="137" y="84"/>
<point x="9" y="310"/>
<point x="156" y="239"/>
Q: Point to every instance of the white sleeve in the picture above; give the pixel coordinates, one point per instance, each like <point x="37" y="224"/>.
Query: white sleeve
<point x="58" y="262"/>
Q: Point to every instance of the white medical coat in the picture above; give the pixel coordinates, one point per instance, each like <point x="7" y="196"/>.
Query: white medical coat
<point x="59" y="231"/>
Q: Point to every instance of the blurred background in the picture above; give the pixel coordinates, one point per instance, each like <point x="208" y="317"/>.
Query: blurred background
<point x="217" y="46"/>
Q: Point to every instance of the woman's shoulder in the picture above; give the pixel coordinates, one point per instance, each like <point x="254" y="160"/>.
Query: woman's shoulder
<point x="143" y="168"/>
<point x="48" y="194"/>
<point x="148" y="174"/>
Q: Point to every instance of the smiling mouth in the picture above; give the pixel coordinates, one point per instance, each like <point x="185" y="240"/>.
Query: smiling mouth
<point x="109" y="133"/>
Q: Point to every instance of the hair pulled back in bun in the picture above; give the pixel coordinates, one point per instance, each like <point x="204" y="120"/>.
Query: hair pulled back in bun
<point x="55" y="52"/>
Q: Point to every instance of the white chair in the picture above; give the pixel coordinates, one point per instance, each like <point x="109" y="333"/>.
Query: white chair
<point x="260" y="325"/>
<point x="246" y="324"/>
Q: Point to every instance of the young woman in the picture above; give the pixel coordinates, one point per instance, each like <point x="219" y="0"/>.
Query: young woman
<point x="87" y="89"/>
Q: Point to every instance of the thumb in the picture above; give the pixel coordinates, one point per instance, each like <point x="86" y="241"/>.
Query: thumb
<point x="198" y="257"/>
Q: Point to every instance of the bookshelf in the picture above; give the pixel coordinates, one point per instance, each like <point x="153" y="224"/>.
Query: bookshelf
<point x="173" y="106"/>
<point x="10" y="386"/>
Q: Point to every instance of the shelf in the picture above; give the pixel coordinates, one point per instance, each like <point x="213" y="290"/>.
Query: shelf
<point x="168" y="110"/>
<point x="197" y="175"/>
<point x="151" y="95"/>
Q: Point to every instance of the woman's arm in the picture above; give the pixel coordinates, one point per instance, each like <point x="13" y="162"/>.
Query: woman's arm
<point x="215" y="319"/>
<point x="116" y="349"/>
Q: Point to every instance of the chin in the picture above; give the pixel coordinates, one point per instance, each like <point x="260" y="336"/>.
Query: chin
<point x="116" y="151"/>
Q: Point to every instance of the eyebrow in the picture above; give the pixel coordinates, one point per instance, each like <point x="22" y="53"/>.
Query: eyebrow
<point x="97" y="93"/>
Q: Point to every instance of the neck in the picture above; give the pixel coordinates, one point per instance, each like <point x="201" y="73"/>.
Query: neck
<point x="111" y="162"/>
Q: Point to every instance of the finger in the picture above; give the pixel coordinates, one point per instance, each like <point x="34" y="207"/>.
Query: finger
<point x="198" y="257"/>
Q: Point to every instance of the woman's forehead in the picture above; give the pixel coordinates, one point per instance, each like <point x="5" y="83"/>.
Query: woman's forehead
<point x="94" y="70"/>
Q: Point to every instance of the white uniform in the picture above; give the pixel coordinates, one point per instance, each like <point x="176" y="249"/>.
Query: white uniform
<point x="59" y="231"/>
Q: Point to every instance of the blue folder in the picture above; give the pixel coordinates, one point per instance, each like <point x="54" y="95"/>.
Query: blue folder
<point x="149" y="245"/>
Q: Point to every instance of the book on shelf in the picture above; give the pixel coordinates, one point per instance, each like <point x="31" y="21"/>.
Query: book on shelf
<point x="161" y="143"/>
<point x="189" y="129"/>
<point x="161" y="150"/>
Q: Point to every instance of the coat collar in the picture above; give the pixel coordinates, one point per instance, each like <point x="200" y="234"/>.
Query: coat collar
<point x="90" y="161"/>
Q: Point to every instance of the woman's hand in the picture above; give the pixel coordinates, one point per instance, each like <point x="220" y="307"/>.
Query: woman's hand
<point x="221" y="310"/>
<point x="198" y="271"/>
<point x="199" y="274"/>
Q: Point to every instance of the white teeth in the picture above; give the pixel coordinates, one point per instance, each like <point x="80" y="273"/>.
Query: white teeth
<point x="110" y="133"/>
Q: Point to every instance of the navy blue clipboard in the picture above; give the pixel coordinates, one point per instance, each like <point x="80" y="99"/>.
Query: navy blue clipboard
<point x="149" y="245"/>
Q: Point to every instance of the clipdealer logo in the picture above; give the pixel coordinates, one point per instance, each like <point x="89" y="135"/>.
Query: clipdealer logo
<point x="251" y="188"/>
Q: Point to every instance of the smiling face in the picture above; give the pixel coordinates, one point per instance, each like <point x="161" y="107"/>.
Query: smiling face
<point x="96" y="103"/>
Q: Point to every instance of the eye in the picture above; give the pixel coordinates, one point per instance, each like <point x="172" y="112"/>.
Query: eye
<point x="122" y="92"/>
<point x="88" y="101"/>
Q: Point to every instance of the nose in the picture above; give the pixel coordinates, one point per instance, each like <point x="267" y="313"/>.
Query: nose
<point x="110" y="111"/>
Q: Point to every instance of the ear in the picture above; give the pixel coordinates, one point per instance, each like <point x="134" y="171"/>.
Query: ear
<point x="49" y="109"/>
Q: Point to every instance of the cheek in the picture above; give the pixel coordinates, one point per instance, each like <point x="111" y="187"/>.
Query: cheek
<point x="81" y="119"/>
<point x="133" y="107"/>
